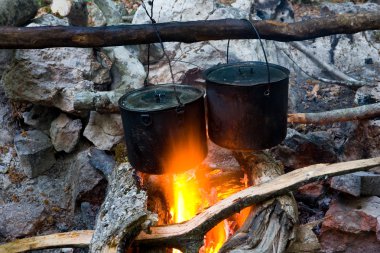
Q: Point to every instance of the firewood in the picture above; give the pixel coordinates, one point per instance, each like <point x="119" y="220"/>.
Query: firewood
<point x="122" y="213"/>
<point x="348" y="114"/>
<point x="74" y="239"/>
<point x="177" y="234"/>
<point x="192" y="231"/>
<point x="271" y="225"/>
<point x="188" y="32"/>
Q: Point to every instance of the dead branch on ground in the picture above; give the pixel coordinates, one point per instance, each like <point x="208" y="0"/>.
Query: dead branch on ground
<point x="341" y="115"/>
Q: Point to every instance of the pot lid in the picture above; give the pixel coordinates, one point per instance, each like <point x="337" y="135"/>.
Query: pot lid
<point x="159" y="97"/>
<point x="245" y="73"/>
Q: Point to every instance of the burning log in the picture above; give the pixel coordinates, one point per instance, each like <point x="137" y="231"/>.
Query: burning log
<point x="190" y="232"/>
<point x="179" y="235"/>
<point x="271" y="224"/>
<point x="188" y="32"/>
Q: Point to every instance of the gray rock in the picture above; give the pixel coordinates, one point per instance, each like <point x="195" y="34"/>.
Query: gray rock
<point x="347" y="7"/>
<point x="370" y="183"/>
<point x="40" y="117"/>
<point x="300" y="150"/>
<point x="6" y="138"/>
<point x="280" y="10"/>
<point x="88" y="213"/>
<point x="52" y="76"/>
<point x="35" y="151"/>
<point x="5" y="58"/>
<point x="104" y="130"/>
<point x="96" y="16"/>
<point x="127" y="71"/>
<point x="87" y="178"/>
<point x="364" y="141"/>
<point x="17" y="12"/>
<point x="101" y="161"/>
<point x="65" y="133"/>
<point x="349" y="183"/>
<point x="6" y="159"/>
<point x="367" y="95"/>
<point x="21" y="219"/>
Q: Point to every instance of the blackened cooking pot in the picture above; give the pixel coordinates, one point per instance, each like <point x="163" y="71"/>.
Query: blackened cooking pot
<point x="163" y="135"/>
<point x="246" y="111"/>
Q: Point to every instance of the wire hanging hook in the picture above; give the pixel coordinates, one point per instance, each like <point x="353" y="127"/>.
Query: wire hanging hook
<point x="150" y="15"/>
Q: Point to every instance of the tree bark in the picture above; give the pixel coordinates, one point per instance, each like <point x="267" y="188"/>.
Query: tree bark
<point x="122" y="214"/>
<point x="188" y="32"/>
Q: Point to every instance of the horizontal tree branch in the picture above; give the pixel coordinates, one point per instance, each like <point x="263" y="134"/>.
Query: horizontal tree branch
<point x="188" y="32"/>
<point x="170" y="235"/>
<point x="348" y="114"/>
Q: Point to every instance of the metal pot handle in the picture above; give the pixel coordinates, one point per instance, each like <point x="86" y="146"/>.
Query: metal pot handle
<point x="267" y="91"/>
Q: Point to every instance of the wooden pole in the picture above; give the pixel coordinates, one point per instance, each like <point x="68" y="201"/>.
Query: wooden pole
<point x="188" y="32"/>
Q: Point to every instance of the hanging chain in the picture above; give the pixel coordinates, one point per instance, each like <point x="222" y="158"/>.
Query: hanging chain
<point x="150" y="15"/>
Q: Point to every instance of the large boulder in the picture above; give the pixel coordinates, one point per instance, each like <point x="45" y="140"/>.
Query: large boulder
<point x="52" y="76"/>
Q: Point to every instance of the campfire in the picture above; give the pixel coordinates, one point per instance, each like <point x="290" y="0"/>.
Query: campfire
<point x="184" y="195"/>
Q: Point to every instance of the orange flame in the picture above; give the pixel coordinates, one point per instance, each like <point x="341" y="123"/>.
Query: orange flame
<point x="189" y="193"/>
